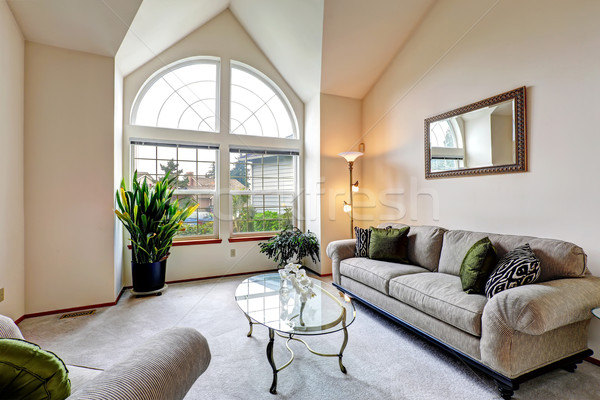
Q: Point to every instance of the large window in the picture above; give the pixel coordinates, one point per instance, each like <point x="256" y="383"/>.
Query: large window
<point x="180" y="96"/>
<point x="194" y="170"/>
<point x="184" y="97"/>
<point x="262" y="189"/>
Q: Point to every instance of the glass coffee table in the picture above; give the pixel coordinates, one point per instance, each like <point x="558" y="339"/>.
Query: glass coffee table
<point x="273" y="302"/>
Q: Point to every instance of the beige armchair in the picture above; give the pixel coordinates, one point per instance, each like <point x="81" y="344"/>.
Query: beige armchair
<point x="162" y="368"/>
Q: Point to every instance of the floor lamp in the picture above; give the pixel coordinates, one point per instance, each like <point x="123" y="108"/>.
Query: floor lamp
<point x="350" y="157"/>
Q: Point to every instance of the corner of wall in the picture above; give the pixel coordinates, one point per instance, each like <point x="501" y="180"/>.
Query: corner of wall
<point x="312" y="172"/>
<point x="12" y="212"/>
<point x="340" y="130"/>
<point x="69" y="155"/>
<point x="118" y="176"/>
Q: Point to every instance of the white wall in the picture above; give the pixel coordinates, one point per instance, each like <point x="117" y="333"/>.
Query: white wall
<point x="478" y="138"/>
<point x="221" y="37"/>
<point x="465" y="51"/>
<point x="340" y="132"/>
<point x="117" y="177"/>
<point x="313" y="181"/>
<point x="12" y="267"/>
<point x="503" y="145"/>
<point x="69" y="177"/>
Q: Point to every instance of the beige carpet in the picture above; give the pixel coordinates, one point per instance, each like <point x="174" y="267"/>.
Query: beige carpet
<point x="383" y="360"/>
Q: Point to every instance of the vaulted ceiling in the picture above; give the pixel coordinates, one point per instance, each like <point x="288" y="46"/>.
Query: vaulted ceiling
<point x="360" y="38"/>
<point x="93" y="26"/>
<point x="339" y="47"/>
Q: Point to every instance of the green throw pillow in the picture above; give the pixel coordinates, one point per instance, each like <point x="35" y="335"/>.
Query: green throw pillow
<point x="28" y="372"/>
<point x="389" y="244"/>
<point x="476" y="267"/>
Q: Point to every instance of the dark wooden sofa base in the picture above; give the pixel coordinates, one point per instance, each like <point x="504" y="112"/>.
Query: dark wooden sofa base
<point x="506" y="386"/>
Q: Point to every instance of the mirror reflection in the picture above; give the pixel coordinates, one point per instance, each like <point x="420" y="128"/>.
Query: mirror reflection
<point x="481" y="138"/>
<point x="484" y="137"/>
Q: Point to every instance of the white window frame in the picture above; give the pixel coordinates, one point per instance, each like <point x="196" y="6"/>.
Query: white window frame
<point x="223" y="222"/>
<point x="215" y="192"/>
<point x="172" y="67"/>
<point x="294" y="193"/>
<point x="273" y="86"/>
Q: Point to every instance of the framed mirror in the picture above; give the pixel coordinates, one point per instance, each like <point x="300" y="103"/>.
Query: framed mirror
<point x="487" y="137"/>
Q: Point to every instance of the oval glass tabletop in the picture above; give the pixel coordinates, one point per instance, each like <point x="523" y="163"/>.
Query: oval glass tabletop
<point x="274" y="302"/>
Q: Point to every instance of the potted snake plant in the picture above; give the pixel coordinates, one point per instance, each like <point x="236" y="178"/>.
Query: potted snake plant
<point x="152" y="218"/>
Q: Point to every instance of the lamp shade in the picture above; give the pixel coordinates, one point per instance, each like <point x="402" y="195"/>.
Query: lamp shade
<point x="350" y="156"/>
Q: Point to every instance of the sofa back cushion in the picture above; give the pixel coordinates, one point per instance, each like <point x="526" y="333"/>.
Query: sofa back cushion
<point x="424" y="244"/>
<point x="558" y="259"/>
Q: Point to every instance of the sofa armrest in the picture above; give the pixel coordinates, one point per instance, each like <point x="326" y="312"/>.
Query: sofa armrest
<point x="163" y="368"/>
<point x="339" y="250"/>
<point x="541" y="307"/>
<point x="8" y="328"/>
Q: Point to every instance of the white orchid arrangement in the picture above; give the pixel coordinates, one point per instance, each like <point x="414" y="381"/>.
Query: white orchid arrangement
<point x="300" y="281"/>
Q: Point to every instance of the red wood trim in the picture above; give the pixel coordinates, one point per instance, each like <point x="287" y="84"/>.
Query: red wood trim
<point x="65" y="310"/>
<point x="222" y="276"/>
<point x="195" y="242"/>
<point x="593" y="360"/>
<point x="249" y="238"/>
<point x="119" y="296"/>
<point x="191" y="242"/>
<point x="213" y="277"/>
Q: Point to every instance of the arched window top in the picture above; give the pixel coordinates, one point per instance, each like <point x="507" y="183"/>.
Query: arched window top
<point x="183" y="95"/>
<point x="444" y="135"/>
<point x="258" y="106"/>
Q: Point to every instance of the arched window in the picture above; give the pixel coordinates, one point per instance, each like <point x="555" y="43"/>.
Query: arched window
<point x="443" y="135"/>
<point x="182" y="95"/>
<point x="447" y="150"/>
<point x="263" y="182"/>
<point x="258" y="106"/>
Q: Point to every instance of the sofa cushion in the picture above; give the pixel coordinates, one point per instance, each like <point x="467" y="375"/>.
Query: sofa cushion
<point x="363" y="238"/>
<point x="424" y="244"/>
<point x="389" y="245"/>
<point x="476" y="267"/>
<point x="558" y="259"/>
<point x="441" y="296"/>
<point x="376" y="274"/>
<point x="517" y="268"/>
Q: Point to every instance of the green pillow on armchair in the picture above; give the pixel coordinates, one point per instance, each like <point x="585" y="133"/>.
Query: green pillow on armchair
<point x="29" y="373"/>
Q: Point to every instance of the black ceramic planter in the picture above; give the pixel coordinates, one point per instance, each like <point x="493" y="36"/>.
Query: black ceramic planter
<point x="148" y="277"/>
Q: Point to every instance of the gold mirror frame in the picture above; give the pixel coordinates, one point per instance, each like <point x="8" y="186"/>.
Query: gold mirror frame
<point x="520" y="118"/>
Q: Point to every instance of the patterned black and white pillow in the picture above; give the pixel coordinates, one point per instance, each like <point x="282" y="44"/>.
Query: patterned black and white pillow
<point x="518" y="267"/>
<point x="363" y="238"/>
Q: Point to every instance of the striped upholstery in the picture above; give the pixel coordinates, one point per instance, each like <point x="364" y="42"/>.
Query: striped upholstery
<point x="163" y="368"/>
<point x="8" y="329"/>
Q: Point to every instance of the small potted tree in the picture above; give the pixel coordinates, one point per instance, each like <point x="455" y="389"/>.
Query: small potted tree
<point x="289" y="244"/>
<point x="152" y="219"/>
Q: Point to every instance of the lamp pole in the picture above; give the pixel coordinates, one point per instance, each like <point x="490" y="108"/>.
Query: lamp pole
<point x="350" y="165"/>
<point x="350" y="157"/>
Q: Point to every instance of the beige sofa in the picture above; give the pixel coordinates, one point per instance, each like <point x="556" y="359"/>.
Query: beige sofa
<point x="516" y="335"/>
<point x="163" y="368"/>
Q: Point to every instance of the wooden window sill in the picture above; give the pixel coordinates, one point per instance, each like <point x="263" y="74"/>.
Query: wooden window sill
<point x="249" y="238"/>
<point x="191" y="242"/>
